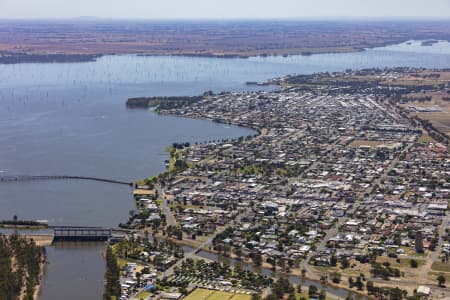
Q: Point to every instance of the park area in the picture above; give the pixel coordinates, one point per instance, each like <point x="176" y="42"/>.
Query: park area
<point x="205" y="294"/>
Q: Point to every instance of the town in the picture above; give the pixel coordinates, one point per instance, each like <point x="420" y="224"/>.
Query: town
<point x="345" y="182"/>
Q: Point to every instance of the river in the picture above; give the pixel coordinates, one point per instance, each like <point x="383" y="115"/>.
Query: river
<point x="70" y="119"/>
<point x="296" y="280"/>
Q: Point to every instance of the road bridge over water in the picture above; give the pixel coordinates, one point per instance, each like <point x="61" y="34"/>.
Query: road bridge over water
<point x="80" y="233"/>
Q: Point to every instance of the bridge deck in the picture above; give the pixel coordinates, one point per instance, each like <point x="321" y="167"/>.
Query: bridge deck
<point x="74" y="233"/>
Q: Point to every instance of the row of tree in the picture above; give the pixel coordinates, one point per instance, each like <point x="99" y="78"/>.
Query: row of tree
<point x="112" y="276"/>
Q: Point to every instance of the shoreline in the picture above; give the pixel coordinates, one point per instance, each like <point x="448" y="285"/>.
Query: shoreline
<point x="24" y="58"/>
<point x="11" y="58"/>
<point x="37" y="288"/>
<point x="23" y="227"/>
<point x="67" y="58"/>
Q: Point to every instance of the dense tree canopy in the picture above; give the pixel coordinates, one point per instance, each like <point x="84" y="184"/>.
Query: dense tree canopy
<point x="20" y="265"/>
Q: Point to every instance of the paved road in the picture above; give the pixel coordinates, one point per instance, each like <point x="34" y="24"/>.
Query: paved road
<point x="445" y="221"/>
<point x="165" y="207"/>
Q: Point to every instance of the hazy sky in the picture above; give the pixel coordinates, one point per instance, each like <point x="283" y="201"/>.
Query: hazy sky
<point x="224" y="9"/>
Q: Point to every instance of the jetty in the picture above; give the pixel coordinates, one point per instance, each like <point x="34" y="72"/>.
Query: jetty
<point x="12" y="178"/>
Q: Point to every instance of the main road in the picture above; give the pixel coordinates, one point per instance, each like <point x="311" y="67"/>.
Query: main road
<point x="171" y="221"/>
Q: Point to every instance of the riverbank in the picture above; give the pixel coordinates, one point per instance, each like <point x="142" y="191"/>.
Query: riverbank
<point x="295" y="272"/>
<point x="334" y="297"/>
<point x="37" y="289"/>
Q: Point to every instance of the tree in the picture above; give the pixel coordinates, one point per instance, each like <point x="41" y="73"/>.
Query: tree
<point x="238" y="252"/>
<point x="112" y="276"/>
<point x="322" y="295"/>
<point x="312" y="291"/>
<point x="138" y="278"/>
<point x="273" y="262"/>
<point x="281" y="263"/>
<point x="256" y="258"/>
<point x="335" y="277"/>
<point x="441" y="280"/>
<point x="413" y="263"/>
<point x="184" y="291"/>
<point x="256" y="297"/>
<point x="350" y="282"/>
<point x="345" y="263"/>
<point x="359" y="284"/>
<point x="333" y="261"/>
<point x="370" y="287"/>
<point x="27" y="257"/>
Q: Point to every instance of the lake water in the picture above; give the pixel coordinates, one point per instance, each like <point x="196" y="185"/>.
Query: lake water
<point x="70" y="119"/>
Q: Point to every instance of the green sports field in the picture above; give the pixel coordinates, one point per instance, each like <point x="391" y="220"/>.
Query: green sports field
<point x="204" y="294"/>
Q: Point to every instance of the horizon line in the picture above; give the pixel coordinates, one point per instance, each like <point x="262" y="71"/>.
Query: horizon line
<point x="301" y="18"/>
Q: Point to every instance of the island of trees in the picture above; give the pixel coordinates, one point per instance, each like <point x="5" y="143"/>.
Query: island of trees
<point x="162" y="102"/>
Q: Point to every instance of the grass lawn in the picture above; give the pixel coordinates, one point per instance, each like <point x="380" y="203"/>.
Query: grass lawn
<point x="142" y="295"/>
<point x="425" y="138"/>
<point x="121" y="262"/>
<point x="199" y="294"/>
<point x="411" y="252"/>
<point x="434" y="275"/>
<point x="440" y="266"/>
<point x="351" y="271"/>
<point x="203" y="294"/>
<point x="404" y="262"/>
<point x="241" y="297"/>
<point x="357" y="143"/>
<point x="303" y="294"/>
<point x="219" y="295"/>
